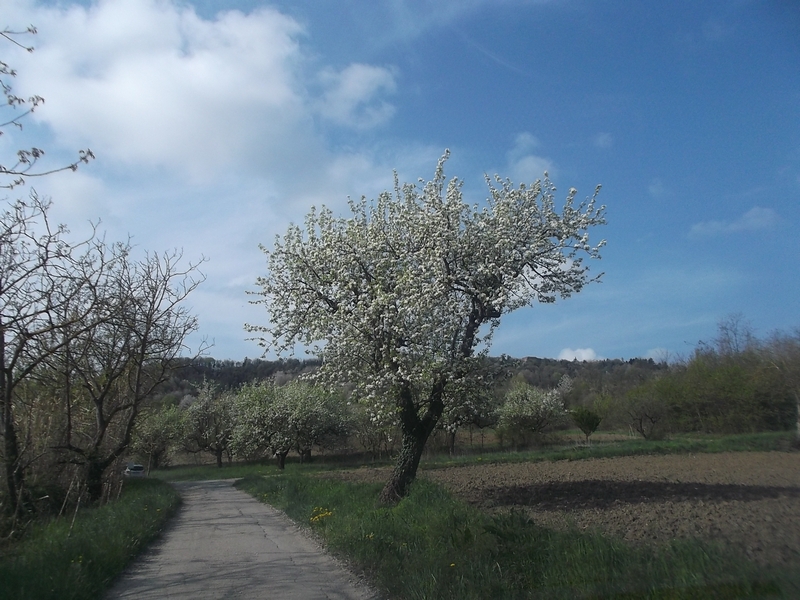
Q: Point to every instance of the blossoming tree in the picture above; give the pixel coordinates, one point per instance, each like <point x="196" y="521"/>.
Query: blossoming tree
<point x="401" y="297"/>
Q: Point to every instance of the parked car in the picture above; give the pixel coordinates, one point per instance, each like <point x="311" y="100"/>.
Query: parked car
<point x="135" y="471"/>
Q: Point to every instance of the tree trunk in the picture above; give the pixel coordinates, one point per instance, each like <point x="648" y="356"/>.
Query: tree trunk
<point x="15" y="477"/>
<point x="416" y="432"/>
<point x="452" y="443"/>
<point x="797" y="432"/>
<point x="218" y="453"/>
<point x="94" y="480"/>
<point x="281" y="456"/>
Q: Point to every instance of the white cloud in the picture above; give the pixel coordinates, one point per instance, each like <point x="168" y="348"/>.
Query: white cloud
<point x="352" y="96"/>
<point x="581" y="354"/>
<point x="757" y="218"/>
<point x="523" y="144"/>
<point x="149" y="83"/>
<point x="659" y="355"/>
<point x="524" y="166"/>
<point x="530" y="168"/>
<point x="205" y="132"/>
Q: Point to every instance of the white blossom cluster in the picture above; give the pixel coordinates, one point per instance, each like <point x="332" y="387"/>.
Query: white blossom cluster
<point x="278" y="419"/>
<point x="533" y="410"/>
<point x="399" y="295"/>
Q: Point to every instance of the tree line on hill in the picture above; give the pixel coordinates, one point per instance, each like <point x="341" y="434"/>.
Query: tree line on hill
<point x="723" y="387"/>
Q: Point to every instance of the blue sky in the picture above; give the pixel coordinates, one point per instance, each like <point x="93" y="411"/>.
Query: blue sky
<point x="215" y="124"/>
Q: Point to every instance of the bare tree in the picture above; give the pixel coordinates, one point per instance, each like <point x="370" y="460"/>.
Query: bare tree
<point x="46" y="298"/>
<point x="109" y="370"/>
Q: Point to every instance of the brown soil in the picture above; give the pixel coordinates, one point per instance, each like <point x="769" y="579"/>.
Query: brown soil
<point x="747" y="500"/>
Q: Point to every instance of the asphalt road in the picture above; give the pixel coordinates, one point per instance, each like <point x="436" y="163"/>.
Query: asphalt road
<point x="225" y="544"/>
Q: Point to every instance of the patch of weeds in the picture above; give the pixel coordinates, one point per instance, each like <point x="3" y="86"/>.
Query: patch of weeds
<point x="61" y="560"/>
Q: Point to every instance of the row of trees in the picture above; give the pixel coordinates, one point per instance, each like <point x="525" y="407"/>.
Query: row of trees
<point x="255" y="420"/>
<point x="727" y="386"/>
<point x="87" y="333"/>
<point x="265" y="419"/>
<point x="737" y="383"/>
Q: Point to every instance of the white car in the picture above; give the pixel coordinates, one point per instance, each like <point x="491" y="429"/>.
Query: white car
<point x="135" y="471"/>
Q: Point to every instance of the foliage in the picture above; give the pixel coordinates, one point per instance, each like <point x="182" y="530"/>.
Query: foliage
<point x="377" y="432"/>
<point x="87" y="333"/>
<point x="647" y="408"/>
<point x="104" y="374"/>
<point x="157" y="432"/>
<point x="209" y="423"/>
<point x="397" y="298"/>
<point x="68" y="560"/>
<point x="297" y="416"/>
<point x="737" y="384"/>
<point x="587" y="420"/>
<point x="528" y="410"/>
<point x="232" y="374"/>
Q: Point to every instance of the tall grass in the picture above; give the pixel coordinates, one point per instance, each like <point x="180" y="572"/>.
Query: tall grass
<point x="432" y="546"/>
<point x="73" y="561"/>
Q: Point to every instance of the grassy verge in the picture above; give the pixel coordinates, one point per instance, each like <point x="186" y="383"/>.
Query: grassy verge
<point x="54" y="562"/>
<point x="680" y="444"/>
<point x="433" y="546"/>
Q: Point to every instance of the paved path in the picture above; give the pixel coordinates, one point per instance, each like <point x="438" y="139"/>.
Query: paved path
<point x="225" y="544"/>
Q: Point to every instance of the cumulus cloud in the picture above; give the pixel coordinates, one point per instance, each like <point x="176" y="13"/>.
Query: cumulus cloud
<point x="523" y="164"/>
<point x="150" y="83"/>
<point x="352" y="96"/>
<point x="582" y="354"/>
<point x="757" y="218"/>
<point x="206" y="131"/>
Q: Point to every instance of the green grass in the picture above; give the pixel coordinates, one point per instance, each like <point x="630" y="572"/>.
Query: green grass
<point x="679" y="444"/>
<point x="432" y="546"/>
<point x="52" y="562"/>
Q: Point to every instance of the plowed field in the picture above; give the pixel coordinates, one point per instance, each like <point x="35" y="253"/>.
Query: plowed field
<point x="747" y="500"/>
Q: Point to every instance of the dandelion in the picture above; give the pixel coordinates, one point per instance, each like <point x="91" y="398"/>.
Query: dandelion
<point x="319" y="513"/>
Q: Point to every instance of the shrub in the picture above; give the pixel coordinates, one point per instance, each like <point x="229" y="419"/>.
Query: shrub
<point x="528" y="410"/>
<point x="587" y="420"/>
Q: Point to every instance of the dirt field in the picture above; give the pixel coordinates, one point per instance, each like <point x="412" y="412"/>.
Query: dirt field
<point x="749" y="500"/>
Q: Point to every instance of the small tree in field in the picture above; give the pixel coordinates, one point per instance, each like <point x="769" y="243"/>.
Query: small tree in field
<point x="587" y="420"/>
<point x="398" y="297"/>
<point x="530" y="410"/>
